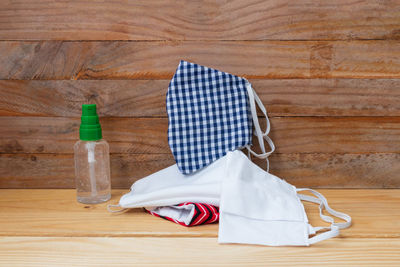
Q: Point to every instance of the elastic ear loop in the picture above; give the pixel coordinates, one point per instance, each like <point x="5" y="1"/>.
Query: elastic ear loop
<point x="110" y="206"/>
<point x="253" y="98"/>
<point x="323" y="204"/>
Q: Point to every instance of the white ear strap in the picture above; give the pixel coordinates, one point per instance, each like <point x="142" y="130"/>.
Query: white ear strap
<point x="323" y="205"/>
<point x="110" y="208"/>
<point x="253" y="99"/>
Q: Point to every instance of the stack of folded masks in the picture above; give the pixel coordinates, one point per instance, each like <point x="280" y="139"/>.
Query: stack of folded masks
<point x="211" y="118"/>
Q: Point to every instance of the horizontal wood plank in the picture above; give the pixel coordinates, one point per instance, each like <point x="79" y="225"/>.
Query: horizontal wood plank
<point x="194" y="20"/>
<point x="48" y="228"/>
<point x="62" y="215"/>
<point x="114" y="98"/>
<point x="128" y="251"/>
<point x="146" y="98"/>
<point x="303" y="170"/>
<point x="57" y="170"/>
<point x="158" y="60"/>
<point x="149" y="135"/>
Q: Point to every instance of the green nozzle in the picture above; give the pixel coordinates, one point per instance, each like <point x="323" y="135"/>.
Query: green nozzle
<point x="90" y="129"/>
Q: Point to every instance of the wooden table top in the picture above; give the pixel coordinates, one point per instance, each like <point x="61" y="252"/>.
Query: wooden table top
<point x="43" y="227"/>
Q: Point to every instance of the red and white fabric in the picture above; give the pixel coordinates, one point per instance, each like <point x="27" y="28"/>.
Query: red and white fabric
<point x="187" y="214"/>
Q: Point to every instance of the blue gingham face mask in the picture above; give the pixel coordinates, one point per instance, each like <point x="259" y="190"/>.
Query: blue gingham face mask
<point x="210" y="113"/>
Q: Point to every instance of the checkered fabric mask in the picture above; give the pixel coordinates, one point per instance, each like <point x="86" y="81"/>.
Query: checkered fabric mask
<point x="210" y="113"/>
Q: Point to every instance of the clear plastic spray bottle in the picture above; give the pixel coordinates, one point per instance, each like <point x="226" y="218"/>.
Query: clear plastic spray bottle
<point x="92" y="160"/>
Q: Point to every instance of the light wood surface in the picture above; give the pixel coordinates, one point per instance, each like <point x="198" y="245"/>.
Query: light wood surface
<point x="41" y="212"/>
<point x="103" y="251"/>
<point x="199" y="20"/>
<point x="48" y="227"/>
<point x="323" y="170"/>
<point x="58" y="60"/>
<point x="146" y="98"/>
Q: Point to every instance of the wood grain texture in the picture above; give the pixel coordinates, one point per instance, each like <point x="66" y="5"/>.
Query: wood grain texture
<point x="303" y="170"/>
<point x="158" y="60"/>
<point x="117" y="98"/>
<point x="128" y="251"/>
<point x="62" y="215"/>
<point x="57" y="170"/>
<point x="149" y="135"/>
<point x="146" y="98"/>
<point x="48" y="229"/>
<point x="199" y="20"/>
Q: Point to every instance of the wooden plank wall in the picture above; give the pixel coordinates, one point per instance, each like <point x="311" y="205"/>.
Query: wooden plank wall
<point x="328" y="72"/>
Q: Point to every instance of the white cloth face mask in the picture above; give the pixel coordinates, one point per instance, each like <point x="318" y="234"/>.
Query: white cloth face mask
<point x="255" y="207"/>
<point x="170" y="187"/>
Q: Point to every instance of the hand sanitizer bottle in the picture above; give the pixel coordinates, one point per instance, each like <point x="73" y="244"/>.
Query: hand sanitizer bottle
<point x="92" y="160"/>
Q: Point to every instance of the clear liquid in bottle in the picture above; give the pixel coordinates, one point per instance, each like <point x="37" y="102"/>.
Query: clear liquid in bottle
<point x="92" y="171"/>
<point x="92" y="160"/>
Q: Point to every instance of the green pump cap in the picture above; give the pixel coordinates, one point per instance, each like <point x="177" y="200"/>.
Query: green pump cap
<point x="90" y="129"/>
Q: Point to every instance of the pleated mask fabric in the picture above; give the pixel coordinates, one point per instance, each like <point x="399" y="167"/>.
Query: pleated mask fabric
<point x="259" y="208"/>
<point x="255" y="207"/>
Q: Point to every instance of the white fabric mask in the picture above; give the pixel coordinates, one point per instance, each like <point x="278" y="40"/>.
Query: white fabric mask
<point x="170" y="187"/>
<point x="255" y="207"/>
